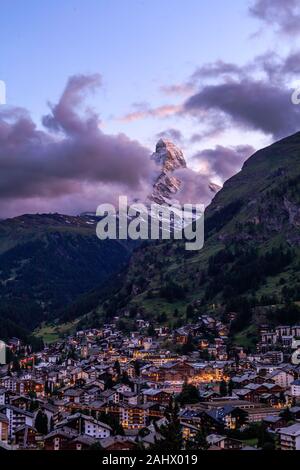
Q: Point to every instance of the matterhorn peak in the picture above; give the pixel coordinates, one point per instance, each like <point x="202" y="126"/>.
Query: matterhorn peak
<point x="169" y="159"/>
<point x="168" y="156"/>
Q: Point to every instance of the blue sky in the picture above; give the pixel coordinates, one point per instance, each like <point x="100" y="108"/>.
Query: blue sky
<point x="137" y="47"/>
<point x="216" y="76"/>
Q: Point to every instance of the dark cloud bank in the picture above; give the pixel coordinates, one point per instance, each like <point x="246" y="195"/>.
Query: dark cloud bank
<point x="71" y="160"/>
<point x="284" y="14"/>
<point x="256" y="96"/>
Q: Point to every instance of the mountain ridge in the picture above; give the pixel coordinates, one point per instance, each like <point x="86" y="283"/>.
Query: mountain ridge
<point x="170" y="158"/>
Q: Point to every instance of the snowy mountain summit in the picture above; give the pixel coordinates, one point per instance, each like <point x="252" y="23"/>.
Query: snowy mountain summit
<point x="170" y="158"/>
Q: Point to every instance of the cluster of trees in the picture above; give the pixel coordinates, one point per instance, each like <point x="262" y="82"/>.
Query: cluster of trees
<point x="171" y="439"/>
<point x="188" y="347"/>
<point x="238" y="269"/>
<point x="172" y="291"/>
<point x="288" y="315"/>
<point x="291" y="293"/>
<point x="41" y="423"/>
<point x="243" y="306"/>
<point x="189" y="395"/>
<point x="84" y="264"/>
<point x="108" y="293"/>
<point x="222" y="216"/>
<point x="255" y="431"/>
<point x="120" y="377"/>
<point x="226" y="388"/>
<point x="288" y="186"/>
<point x="113" y="422"/>
<point x="8" y="329"/>
<point x="23" y="312"/>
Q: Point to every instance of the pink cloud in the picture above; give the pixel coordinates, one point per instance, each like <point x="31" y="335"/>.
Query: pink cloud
<point x="159" y="112"/>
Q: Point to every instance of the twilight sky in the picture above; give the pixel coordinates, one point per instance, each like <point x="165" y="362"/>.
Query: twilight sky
<point x="92" y="85"/>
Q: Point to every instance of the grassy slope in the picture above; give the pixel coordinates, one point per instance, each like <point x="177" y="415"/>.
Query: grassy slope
<point x="51" y="332"/>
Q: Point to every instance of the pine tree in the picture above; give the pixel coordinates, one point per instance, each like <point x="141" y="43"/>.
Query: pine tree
<point x="198" y="443"/>
<point x="287" y="415"/>
<point x="96" y="447"/>
<point x="189" y="394"/>
<point x="171" y="435"/>
<point x="15" y="365"/>
<point x="126" y="380"/>
<point x="51" y="424"/>
<point x="189" y="312"/>
<point x="230" y="387"/>
<point x="137" y="368"/>
<point x="109" y="383"/>
<point x="41" y="423"/>
<point x="223" y="388"/>
<point x="151" y="331"/>
<point x="117" y="367"/>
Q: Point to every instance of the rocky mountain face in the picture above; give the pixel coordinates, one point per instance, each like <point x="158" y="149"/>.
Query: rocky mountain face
<point x="169" y="158"/>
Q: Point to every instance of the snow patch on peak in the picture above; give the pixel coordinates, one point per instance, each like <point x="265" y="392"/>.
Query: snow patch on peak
<point x="168" y="156"/>
<point x="175" y="181"/>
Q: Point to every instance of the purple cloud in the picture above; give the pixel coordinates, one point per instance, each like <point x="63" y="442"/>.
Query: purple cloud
<point x="145" y="112"/>
<point x="195" y="187"/>
<point x="171" y="134"/>
<point x="71" y="157"/>
<point x="224" y="161"/>
<point x="284" y="14"/>
<point x="249" y="103"/>
<point x="217" y="69"/>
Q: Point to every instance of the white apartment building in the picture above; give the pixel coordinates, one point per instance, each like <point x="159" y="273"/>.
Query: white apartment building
<point x="16" y="418"/>
<point x="295" y="388"/>
<point x="282" y="378"/>
<point x="96" y="429"/>
<point x="290" y="437"/>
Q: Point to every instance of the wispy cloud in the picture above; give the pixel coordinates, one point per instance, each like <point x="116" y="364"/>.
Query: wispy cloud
<point x="222" y="161"/>
<point x="171" y="134"/>
<point x="283" y="14"/>
<point x="163" y="111"/>
<point x="178" y="89"/>
<point x="255" y="96"/>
